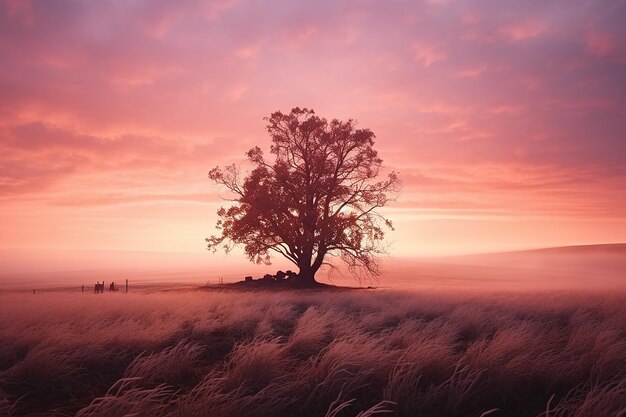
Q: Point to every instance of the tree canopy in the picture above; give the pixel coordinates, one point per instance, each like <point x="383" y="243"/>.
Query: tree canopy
<point x="318" y="198"/>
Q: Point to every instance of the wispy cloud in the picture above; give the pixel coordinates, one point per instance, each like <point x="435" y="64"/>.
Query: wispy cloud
<point x="107" y="105"/>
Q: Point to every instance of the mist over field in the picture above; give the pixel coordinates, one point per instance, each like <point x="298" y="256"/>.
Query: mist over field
<point x="575" y="267"/>
<point x="590" y="267"/>
<point x="538" y="333"/>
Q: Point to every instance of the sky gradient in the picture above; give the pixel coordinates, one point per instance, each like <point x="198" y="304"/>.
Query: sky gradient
<point x="506" y="120"/>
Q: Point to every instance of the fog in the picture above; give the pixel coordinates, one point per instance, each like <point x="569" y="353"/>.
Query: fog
<point x="575" y="267"/>
<point x="593" y="267"/>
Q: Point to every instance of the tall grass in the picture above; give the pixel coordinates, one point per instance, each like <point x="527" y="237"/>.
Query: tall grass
<point x="328" y="354"/>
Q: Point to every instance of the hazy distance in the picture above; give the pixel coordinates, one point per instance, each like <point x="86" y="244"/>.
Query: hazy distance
<point x="572" y="267"/>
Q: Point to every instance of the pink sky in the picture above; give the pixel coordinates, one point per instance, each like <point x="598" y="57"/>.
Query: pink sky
<point x="506" y="120"/>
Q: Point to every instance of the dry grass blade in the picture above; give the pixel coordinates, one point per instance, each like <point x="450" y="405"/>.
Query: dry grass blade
<point x="380" y="408"/>
<point x="124" y="401"/>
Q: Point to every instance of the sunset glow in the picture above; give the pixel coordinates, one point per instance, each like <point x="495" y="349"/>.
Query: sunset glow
<point x="505" y="120"/>
<point x="337" y="208"/>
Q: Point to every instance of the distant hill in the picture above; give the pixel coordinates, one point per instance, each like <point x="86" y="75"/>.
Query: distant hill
<point x="606" y="248"/>
<point x="601" y="266"/>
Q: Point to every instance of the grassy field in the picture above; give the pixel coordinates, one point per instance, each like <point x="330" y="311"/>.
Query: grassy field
<point x="350" y="353"/>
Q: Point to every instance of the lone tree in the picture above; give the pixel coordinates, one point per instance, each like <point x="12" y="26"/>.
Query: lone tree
<point x="318" y="198"/>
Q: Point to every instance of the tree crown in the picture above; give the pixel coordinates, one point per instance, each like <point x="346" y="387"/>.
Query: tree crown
<point x="317" y="198"/>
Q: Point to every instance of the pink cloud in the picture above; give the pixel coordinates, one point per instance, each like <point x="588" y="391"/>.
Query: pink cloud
<point x="479" y="36"/>
<point x="21" y="10"/>
<point x="504" y="107"/>
<point x="472" y="72"/>
<point x="213" y="9"/>
<point x="524" y="30"/>
<point x="426" y="53"/>
<point x="297" y="37"/>
<point x="249" y="51"/>
<point x="441" y="108"/>
<point x="237" y="92"/>
<point x="471" y="17"/>
<point x="36" y="156"/>
<point x="600" y="44"/>
<point x="512" y="190"/>
<point x="86" y="199"/>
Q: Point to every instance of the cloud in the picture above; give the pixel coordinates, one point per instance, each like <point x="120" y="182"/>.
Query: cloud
<point x="130" y="198"/>
<point x="20" y="10"/>
<point x="237" y="92"/>
<point x="524" y="30"/>
<point x="472" y="72"/>
<point x="36" y="156"/>
<point x="111" y="102"/>
<point x="517" y="190"/>
<point x="427" y="54"/>
<point x="600" y="44"/>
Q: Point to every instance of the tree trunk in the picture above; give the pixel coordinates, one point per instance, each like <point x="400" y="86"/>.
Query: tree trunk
<point x="306" y="277"/>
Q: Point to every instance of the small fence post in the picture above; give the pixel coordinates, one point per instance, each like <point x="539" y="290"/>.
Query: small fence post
<point x="82" y="288"/>
<point x="126" y="284"/>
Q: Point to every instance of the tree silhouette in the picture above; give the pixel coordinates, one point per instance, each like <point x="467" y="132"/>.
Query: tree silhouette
<point x="318" y="198"/>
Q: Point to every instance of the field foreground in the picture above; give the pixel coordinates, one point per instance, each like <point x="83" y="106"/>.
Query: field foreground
<point x="193" y="353"/>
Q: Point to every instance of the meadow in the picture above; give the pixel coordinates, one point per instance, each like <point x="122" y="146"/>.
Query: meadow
<point x="316" y="353"/>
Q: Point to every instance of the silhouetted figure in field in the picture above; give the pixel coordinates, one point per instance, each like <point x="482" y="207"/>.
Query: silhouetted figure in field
<point x="99" y="287"/>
